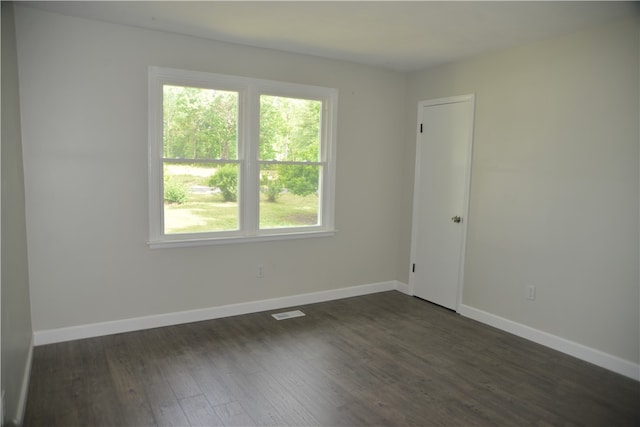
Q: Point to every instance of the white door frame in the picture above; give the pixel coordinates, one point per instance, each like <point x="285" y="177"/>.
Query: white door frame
<point x="467" y="191"/>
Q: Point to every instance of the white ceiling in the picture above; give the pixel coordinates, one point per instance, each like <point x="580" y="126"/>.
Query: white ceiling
<point x="398" y="35"/>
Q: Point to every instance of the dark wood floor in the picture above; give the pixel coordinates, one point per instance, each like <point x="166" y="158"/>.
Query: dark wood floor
<point x="382" y="359"/>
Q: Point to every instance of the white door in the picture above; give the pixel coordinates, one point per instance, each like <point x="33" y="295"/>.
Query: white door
<point x="441" y="192"/>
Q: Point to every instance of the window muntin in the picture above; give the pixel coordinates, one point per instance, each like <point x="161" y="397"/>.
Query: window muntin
<point x="249" y="159"/>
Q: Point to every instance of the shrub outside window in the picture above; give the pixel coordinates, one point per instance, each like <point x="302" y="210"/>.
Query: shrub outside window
<point x="238" y="159"/>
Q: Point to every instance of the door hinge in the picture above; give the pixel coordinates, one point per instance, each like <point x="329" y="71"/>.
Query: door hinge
<point x="413" y="269"/>
<point x="420" y="127"/>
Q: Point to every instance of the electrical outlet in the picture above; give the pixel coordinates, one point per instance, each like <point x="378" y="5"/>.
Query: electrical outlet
<point x="260" y="270"/>
<point x="531" y="292"/>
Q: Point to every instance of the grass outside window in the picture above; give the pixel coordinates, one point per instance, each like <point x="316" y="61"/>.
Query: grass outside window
<point x="204" y="208"/>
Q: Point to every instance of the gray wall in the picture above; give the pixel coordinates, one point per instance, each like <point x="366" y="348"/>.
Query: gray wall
<point x="555" y="184"/>
<point x="16" y="312"/>
<point x="84" y="105"/>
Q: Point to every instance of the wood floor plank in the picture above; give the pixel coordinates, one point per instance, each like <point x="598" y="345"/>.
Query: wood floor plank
<point x="318" y="394"/>
<point x="380" y="359"/>
<point x="163" y="402"/>
<point x="128" y="386"/>
<point x="199" y="411"/>
<point x="255" y="404"/>
<point x="282" y="400"/>
<point x="212" y="386"/>
<point x="166" y="408"/>
<point x="233" y="414"/>
<point x="99" y="402"/>
<point x="176" y="366"/>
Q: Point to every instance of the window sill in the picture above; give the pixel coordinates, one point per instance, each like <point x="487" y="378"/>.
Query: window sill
<point x="181" y="243"/>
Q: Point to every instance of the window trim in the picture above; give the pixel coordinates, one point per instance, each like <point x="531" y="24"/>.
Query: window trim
<point x="249" y="90"/>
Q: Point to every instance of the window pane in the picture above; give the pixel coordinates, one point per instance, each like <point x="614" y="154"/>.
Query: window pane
<point x="289" y="129"/>
<point x="289" y="195"/>
<point x="200" y="197"/>
<point x="199" y="123"/>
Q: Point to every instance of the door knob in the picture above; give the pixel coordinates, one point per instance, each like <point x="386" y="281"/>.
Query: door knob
<point x="456" y="219"/>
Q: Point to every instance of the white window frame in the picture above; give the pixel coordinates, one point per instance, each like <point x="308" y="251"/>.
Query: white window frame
<point x="249" y="91"/>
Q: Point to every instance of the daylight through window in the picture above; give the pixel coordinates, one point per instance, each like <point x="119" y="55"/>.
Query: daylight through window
<point x="238" y="159"/>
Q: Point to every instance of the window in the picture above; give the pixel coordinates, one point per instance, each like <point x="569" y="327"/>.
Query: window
<point x="238" y="159"/>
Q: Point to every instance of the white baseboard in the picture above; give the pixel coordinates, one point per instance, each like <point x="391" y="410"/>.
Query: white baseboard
<point x="51" y="336"/>
<point x="588" y="354"/>
<point x="18" y="417"/>
<point x="403" y="287"/>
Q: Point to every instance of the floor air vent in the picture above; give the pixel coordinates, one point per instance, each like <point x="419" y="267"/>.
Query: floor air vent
<point x="288" y="315"/>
